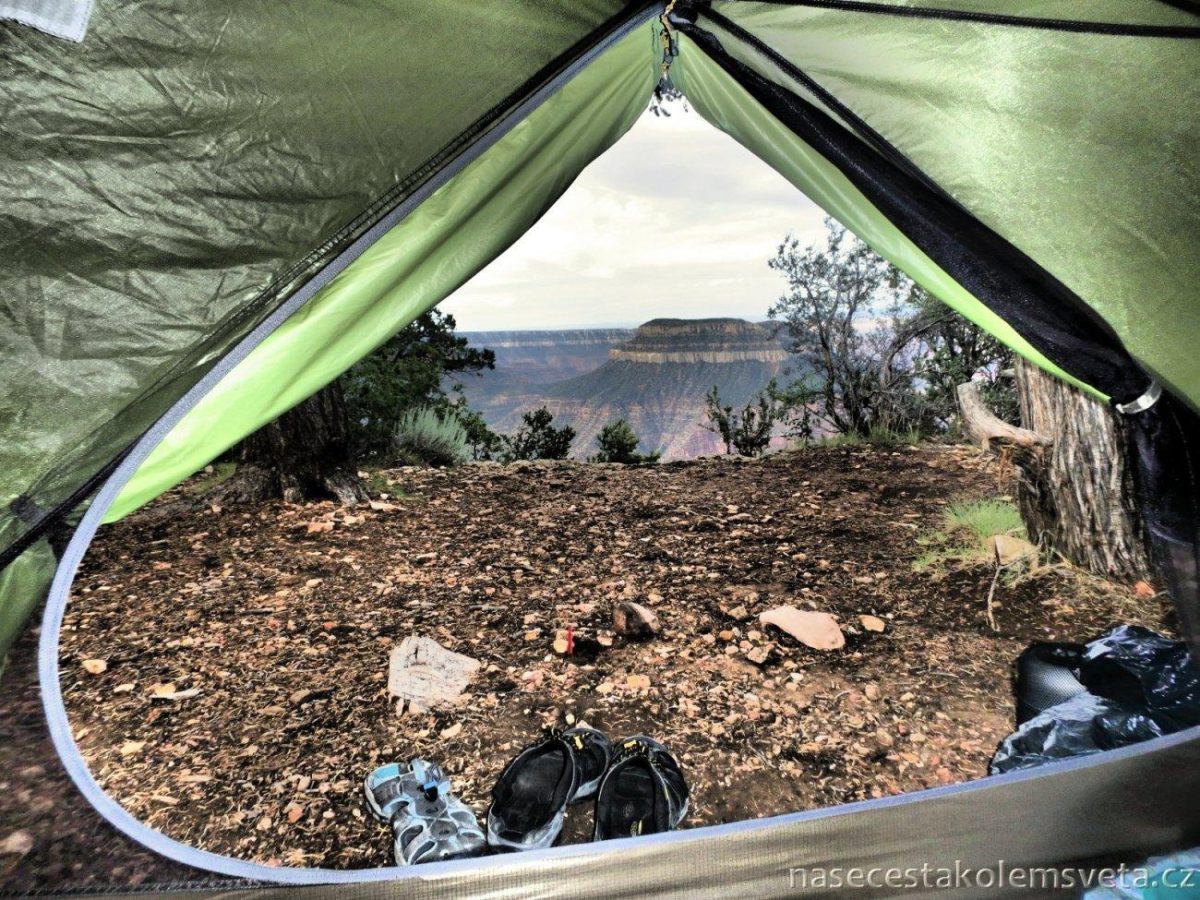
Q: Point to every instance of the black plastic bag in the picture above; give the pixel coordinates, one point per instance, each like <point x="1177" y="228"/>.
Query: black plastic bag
<point x="1136" y="667"/>
<point x="1139" y="684"/>
<point x="1080" y="726"/>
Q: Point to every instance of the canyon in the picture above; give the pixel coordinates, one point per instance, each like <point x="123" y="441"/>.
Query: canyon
<point x="655" y="377"/>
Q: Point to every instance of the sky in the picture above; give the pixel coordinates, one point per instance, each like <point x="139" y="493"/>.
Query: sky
<point x="676" y="219"/>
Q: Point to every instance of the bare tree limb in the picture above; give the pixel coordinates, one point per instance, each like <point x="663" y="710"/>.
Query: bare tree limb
<point x="987" y="429"/>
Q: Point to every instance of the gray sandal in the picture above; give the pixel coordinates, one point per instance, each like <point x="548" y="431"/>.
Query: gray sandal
<point x="430" y="823"/>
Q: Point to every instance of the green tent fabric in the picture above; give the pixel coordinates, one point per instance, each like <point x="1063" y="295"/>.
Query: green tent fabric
<point x="726" y="105"/>
<point x="459" y="229"/>
<point x="1095" y="177"/>
<point x="151" y="229"/>
<point x="211" y="211"/>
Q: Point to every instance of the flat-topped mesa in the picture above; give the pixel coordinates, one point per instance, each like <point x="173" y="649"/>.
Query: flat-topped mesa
<point x="701" y="340"/>
<point x="567" y="337"/>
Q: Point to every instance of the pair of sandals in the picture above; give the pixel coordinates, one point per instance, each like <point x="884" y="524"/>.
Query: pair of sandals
<point x="637" y="785"/>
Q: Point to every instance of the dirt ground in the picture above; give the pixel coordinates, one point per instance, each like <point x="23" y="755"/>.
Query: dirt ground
<point x="265" y="632"/>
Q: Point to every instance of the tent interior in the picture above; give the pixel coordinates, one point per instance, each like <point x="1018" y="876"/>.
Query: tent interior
<point x="211" y="213"/>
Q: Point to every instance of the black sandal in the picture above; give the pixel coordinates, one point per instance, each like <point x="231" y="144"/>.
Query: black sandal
<point x="530" y="799"/>
<point x="643" y="792"/>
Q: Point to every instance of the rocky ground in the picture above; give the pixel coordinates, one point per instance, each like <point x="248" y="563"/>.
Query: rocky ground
<point x="243" y="693"/>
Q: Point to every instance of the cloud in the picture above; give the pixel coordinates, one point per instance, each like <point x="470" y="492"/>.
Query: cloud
<point x="676" y="220"/>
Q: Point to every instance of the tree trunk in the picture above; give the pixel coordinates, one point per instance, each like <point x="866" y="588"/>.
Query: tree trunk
<point x="1077" y="495"/>
<point x="302" y="455"/>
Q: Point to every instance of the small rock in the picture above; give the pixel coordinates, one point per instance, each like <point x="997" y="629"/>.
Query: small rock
<point x="638" y="682"/>
<point x="1009" y="549"/>
<point x="95" y="666"/>
<point x="758" y="655"/>
<point x="632" y="620"/>
<point x="872" y="623"/>
<point x="18" y="843"/>
<point x="130" y="748"/>
<point x="871" y="692"/>
<point x="738" y="612"/>
<point x="452" y="732"/>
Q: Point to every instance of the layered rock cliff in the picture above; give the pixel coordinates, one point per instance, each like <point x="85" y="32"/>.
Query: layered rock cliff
<point x="655" y="378"/>
<point x="701" y="341"/>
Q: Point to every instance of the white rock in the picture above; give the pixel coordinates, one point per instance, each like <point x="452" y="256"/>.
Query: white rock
<point x="424" y="675"/>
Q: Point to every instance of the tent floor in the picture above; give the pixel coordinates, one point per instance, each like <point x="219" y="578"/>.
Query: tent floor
<point x="281" y="617"/>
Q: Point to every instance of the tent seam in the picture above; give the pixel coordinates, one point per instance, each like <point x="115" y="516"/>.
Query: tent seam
<point x="1113" y="29"/>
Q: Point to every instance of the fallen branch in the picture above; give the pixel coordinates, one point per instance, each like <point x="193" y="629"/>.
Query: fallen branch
<point x="986" y="428"/>
<point x="991" y="595"/>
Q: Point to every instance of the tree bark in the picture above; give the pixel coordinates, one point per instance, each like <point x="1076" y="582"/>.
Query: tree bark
<point x="1076" y="496"/>
<point x="302" y="455"/>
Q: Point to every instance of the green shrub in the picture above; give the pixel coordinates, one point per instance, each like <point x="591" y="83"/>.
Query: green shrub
<point x="426" y="436"/>
<point x="887" y="437"/>
<point x="420" y="366"/>
<point x="842" y="439"/>
<point x="537" y="438"/>
<point x="618" y="444"/>
<point x="748" y="432"/>
<point x="984" y="518"/>
<point x="968" y="524"/>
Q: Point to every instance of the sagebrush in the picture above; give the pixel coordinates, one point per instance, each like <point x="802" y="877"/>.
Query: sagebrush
<point x="425" y="435"/>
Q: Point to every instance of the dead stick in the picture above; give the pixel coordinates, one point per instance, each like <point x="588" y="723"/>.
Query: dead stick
<point x="991" y="597"/>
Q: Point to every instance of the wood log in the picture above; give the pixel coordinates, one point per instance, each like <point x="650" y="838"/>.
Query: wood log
<point x="987" y="429"/>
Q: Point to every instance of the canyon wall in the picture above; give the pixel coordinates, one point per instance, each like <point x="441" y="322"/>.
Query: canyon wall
<point x="655" y="378"/>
